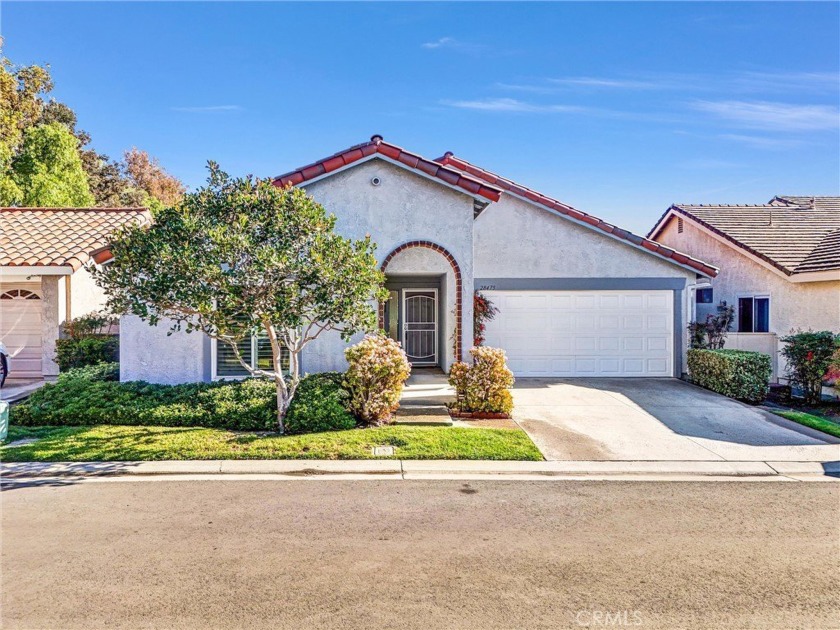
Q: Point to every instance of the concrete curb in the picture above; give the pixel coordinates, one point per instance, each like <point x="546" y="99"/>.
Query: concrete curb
<point x="428" y="469"/>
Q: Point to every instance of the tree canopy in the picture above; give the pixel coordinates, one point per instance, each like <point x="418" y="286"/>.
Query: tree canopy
<point x="241" y="257"/>
<point x="25" y="105"/>
<point x="48" y="169"/>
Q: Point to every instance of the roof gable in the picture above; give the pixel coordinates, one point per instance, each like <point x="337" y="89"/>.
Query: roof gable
<point x="792" y="234"/>
<point x="645" y="244"/>
<point x="398" y="155"/>
<point x="60" y="237"/>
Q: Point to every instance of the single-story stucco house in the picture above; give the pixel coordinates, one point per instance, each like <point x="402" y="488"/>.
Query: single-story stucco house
<point x="779" y="265"/>
<point x="576" y="295"/>
<point x="45" y="254"/>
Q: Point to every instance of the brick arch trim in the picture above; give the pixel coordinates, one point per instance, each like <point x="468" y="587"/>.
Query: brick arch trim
<point x="456" y="269"/>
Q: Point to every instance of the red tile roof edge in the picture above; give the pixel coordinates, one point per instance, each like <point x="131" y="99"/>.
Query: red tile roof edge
<point x="680" y="210"/>
<point x="99" y="254"/>
<point x="377" y="145"/>
<point x="558" y="206"/>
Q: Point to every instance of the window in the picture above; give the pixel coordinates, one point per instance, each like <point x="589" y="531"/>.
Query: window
<point x="754" y="314"/>
<point x="705" y="296"/>
<point x="255" y="351"/>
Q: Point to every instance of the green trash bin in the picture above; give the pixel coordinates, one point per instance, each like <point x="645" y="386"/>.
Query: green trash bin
<point x="4" y="420"/>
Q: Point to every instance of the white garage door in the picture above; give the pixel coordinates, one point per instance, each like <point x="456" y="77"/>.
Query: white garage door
<point x="584" y="333"/>
<point x="20" y="330"/>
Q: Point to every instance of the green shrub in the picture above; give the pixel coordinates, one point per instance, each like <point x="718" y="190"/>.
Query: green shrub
<point x="377" y="370"/>
<point x="96" y="372"/>
<point x="320" y="404"/>
<point x="75" y="353"/>
<point x="809" y="357"/>
<point x="485" y="385"/>
<point x="734" y="373"/>
<point x="75" y="400"/>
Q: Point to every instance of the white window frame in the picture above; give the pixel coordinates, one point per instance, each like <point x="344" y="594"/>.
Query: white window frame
<point x="214" y="355"/>
<point x="754" y="297"/>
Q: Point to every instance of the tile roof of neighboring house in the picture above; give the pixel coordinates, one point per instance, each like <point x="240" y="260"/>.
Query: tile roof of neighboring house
<point x="377" y="145"/>
<point x="60" y="237"/>
<point x="795" y="234"/>
<point x="509" y="186"/>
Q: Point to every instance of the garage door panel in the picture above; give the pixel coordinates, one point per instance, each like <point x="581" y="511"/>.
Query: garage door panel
<point x="584" y="333"/>
<point x="20" y="332"/>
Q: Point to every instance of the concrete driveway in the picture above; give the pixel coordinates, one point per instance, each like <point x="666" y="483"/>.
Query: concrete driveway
<point x="656" y="419"/>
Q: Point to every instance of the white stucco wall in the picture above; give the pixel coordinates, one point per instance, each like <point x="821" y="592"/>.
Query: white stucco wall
<point x="516" y="239"/>
<point x="147" y="353"/>
<point x="85" y="295"/>
<point x="404" y="207"/>
<point x="814" y="305"/>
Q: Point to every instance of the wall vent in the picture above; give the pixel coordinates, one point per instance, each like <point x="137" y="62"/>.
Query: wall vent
<point x="679" y="226"/>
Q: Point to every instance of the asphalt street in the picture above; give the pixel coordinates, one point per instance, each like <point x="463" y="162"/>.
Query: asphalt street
<point x="420" y="554"/>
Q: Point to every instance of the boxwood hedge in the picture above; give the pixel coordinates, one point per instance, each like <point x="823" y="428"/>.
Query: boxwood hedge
<point x="88" y="396"/>
<point x="734" y="373"/>
<point x="91" y="395"/>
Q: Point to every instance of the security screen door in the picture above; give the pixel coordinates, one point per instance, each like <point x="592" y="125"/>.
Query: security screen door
<point x="420" y="325"/>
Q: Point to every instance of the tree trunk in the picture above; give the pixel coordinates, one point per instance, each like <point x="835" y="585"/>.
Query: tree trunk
<point x="283" y="399"/>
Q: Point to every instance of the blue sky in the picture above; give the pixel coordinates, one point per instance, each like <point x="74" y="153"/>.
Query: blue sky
<point x="618" y="109"/>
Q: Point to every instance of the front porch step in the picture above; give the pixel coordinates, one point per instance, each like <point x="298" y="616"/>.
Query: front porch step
<point x="422" y="415"/>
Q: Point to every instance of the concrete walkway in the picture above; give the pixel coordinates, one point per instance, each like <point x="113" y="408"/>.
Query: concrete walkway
<point x="657" y="420"/>
<point x="17" y="389"/>
<point x="424" y="398"/>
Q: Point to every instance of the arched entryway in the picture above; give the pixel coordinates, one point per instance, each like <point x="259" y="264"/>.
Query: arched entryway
<point x="424" y="311"/>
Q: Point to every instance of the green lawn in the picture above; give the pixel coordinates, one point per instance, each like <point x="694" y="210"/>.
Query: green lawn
<point x="122" y="443"/>
<point x="810" y="420"/>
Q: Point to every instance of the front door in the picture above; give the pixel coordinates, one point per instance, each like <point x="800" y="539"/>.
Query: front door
<point x="420" y="328"/>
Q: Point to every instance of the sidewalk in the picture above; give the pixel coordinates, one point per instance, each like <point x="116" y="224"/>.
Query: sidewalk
<point x="13" y="472"/>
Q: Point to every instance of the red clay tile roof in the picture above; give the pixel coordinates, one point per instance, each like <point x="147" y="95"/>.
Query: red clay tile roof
<point x="377" y="145"/>
<point x="794" y="234"/>
<point x="60" y="237"/>
<point x="507" y="185"/>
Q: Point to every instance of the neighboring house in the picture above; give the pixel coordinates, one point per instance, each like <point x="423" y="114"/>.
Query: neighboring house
<point x="44" y="279"/>
<point x="779" y="262"/>
<point x="576" y="296"/>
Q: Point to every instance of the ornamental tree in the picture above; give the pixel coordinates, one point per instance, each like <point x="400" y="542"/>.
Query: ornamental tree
<point x="809" y="357"/>
<point x="241" y="257"/>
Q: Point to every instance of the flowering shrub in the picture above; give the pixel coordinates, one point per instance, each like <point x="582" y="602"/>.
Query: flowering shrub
<point x="378" y="369"/>
<point x="483" y="386"/>
<point x="809" y="356"/>
<point x="711" y="334"/>
<point x="483" y="311"/>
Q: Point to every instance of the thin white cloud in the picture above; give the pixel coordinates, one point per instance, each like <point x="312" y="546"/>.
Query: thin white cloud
<point x="208" y="108"/>
<point x="744" y="82"/>
<point x="452" y="44"/>
<point x="512" y="105"/>
<point x="603" y="82"/>
<point x="760" y="142"/>
<point x="708" y="164"/>
<point x="773" y="116"/>
<point x="786" y="81"/>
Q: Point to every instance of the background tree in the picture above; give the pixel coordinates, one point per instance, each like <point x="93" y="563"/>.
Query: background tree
<point x="25" y="103"/>
<point x="242" y="257"/>
<point x="48" y="169"/>
<point x="146" y="174"/>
